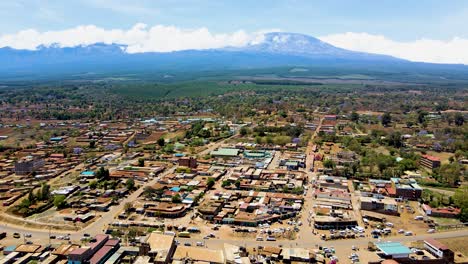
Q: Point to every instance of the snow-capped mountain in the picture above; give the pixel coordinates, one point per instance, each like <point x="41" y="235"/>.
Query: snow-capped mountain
<point x="275" y="50"/>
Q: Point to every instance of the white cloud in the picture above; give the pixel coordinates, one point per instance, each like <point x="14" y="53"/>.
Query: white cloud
<point x="423" y="50"/>
<point x="139" y="38"/>
<point x="161" y="38"/>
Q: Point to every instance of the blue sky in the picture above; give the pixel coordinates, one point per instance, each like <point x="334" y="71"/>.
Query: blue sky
<point x="424" y="30"/>
<point x="398" y="20"/>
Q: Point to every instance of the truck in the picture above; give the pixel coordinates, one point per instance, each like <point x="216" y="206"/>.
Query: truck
<point x="184" y="234"/>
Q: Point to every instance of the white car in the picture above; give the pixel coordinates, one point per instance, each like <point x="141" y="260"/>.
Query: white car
<point x="430" y="231"/>
<point x="200" y="244"/>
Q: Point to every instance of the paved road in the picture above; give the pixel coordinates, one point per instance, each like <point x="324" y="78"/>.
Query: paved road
<point x="312" y="241"/>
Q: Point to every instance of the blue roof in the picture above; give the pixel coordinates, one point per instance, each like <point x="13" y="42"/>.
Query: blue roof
<point x="10" y="248"/>
<point x="88" y="173"/>
<point x="393" y="248"/>
<point x="175" y="189"/>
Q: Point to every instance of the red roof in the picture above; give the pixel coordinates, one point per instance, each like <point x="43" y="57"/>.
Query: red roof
<point x="100" y="254"/>
<point x="454" y="211"/>
<point x="112" y="242"/>
<point x="436" y="244"/>
<point x="431" y="158"/>
<point x="391" y="191"/>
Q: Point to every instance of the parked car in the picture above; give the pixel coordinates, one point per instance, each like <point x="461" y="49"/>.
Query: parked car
<point x="187" y="244"/>
<point x="430" y="231"/>
<point x="16" y="235"/>
<point x="200" y="244"/>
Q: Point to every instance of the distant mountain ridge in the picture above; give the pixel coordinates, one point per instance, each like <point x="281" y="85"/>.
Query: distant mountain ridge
<point x="278" y="49"/>
<point x="304" y="45"/>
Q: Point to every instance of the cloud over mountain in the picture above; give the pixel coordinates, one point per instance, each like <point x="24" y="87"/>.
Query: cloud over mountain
<point x="422" y="50"/>
<point x="161" y="38"/>
<point x="139" y="38"/>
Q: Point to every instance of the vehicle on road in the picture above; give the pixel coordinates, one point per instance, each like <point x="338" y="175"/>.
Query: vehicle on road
<point x="188" y="244"/>
<point x="27" y="235"/>
<point x="430" y="231"/>
<point x="408" y="233"/>
<point x="200" y="244"/>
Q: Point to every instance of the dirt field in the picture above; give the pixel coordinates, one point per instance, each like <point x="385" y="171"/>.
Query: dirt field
<point x="459" y="246"/>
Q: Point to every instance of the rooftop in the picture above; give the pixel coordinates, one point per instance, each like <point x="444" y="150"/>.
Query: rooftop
<point x="160" y="243"/>
<point x="199" y="254"/>
<point x="392" y="248"/>
<point x="225" y="152"/>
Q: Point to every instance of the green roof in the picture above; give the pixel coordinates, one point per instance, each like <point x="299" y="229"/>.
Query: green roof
<point x="393" y="248"/>
<point x="225" y="152"/>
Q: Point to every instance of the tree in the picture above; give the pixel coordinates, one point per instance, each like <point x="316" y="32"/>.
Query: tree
<point x="225" y="184"/>
<point x="460" y="197"/>
<point x="237" y="184"/>
<point x="244" y="131"/>
<point x="92" y="144"/>
<point x="176" y="198"/>
<point x="386" y="119"/>
<point x="93" y="184"/>
<point x="59" y="201"/>
<point x="354" y="117"/>
<point x="161" y="142"/>
<point x="328" y="163"/>
<point x="102" y="174"/>
<point x="31" y="196"/>
<point x="128" y="207"/>
<point x="210" y="182"/>
<point x="45" y="192"/>
<point x="141" y="162"/>
<point x="422" y="117"/>
<point x="459" y="119"/>
<point x="394" y="139"/>
<point x="130" y="183"/>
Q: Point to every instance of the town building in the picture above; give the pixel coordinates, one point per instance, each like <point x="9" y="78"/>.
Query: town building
<point x="28" y="165"/>
<point x="429" y="162"/>
<point x="439" y="250"/>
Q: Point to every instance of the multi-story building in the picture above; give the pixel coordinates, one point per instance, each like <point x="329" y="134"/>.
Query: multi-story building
<point x="429" y="162"/>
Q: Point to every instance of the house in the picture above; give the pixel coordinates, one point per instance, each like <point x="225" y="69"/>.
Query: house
<point x="439" y="250"/>
<point x="159" y="247"/>
<point x="429" y="162"/>
<point x="225" y="152"/>
<point x="28" y="165"/>
<point x="197" y="254"/>
<point x="189" y="162"/>
<point x="406" y="189"/>
<point x="385" y="205"/>
<point x="393" y="250"/>
<point x="447" y="212"/>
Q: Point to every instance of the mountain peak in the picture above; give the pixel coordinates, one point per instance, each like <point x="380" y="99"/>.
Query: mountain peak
<point x="294" y="44"/>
